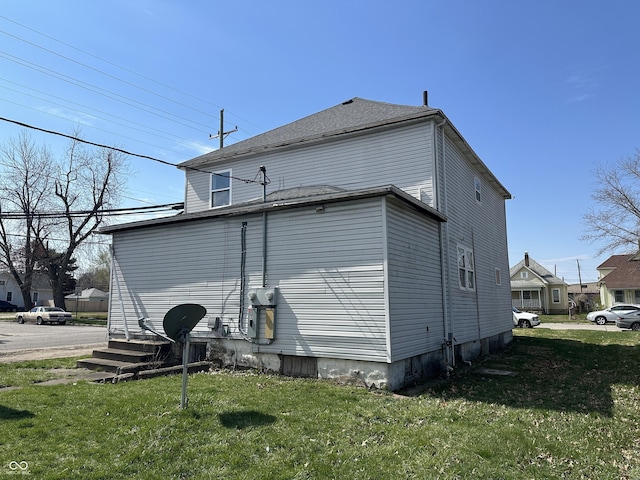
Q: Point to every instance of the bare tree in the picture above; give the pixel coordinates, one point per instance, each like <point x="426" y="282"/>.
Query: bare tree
<point x="614" y="220"/>
<point x="24" y="190"/>
<point x="56" y="206"/>
<point x="86" y="183"/>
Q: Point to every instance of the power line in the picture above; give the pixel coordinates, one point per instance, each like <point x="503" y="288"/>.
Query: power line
<point x="149" y="130"/>
<point x="102" y="91"/>
<point x="92" y="126"/>
<point x="116" y="149"/>
<point x="127" y="70"/>
<point x="106" y="212"/>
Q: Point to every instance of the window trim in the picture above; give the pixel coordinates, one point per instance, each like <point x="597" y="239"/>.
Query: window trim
<point x="212" y="191"/>
<point x="477" y="186"/>
<point x="498" y="277"/>
<point x="468" y="267"/>
<point x="553" y="291"/>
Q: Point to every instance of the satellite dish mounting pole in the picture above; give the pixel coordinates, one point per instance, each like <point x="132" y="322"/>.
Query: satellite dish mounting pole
<point x="185" y="370"/>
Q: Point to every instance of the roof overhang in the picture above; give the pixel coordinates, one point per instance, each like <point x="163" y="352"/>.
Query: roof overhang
<point x="273" y="206"/>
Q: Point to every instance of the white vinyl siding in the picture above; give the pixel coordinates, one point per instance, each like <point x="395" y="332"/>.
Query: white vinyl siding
<point x="415" y="287"/>
<point x="401" y="157"/>
<point x="481" y="227"/>
<point x="328" y="267"/>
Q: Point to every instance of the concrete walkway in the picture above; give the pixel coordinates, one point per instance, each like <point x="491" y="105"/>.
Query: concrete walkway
<point x="609" y="327"/>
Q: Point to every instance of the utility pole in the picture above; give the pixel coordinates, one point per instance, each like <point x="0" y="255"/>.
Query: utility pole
<point x="579" y="276"/>
<point x="221" y="133"/>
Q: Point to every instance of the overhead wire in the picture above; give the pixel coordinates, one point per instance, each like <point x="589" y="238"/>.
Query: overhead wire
<point x="106" y="212"/>
<point x="117" y="149"/>
<point x="182" y="92"/>
<point x="160" y="133"/>
<point x="104" y="92"/>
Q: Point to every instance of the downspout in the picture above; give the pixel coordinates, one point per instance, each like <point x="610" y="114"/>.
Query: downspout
<point x="114" y="279"/>
<point x="441" y="205"/>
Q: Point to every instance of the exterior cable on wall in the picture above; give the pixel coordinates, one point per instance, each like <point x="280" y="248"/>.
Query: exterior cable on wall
<point x="243" y="288"/>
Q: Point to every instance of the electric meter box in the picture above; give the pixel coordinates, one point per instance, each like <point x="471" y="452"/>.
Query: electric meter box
<point x="264" y="296"/>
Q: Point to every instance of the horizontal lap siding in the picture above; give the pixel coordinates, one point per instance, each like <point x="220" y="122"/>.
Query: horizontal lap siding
<point x="415" y="287"/>
<point x="401" y="157"/>
<point x="328" y="267"/>
<point x="482" y="227"/>
<point x="158" y="268"/>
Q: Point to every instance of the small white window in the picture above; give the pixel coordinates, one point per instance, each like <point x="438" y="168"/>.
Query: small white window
<point x="555" y="294"/>
<point x="221" y="188"/>
<point x="478" y="187"/>
<point x="466" y="269"/>
<point x="524" y="274"/>
<point x="498" y="277"/>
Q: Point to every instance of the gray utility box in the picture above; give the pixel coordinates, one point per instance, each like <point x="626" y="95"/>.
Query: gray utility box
<point x="265" y="299"/>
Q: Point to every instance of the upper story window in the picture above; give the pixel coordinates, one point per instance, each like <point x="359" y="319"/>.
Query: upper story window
<point x="478" y="188"/>
<point x="524" y="274"/>
<point x="466" y="269"/>
<point x="498" y="277"/>
<point x="221" y="188"/>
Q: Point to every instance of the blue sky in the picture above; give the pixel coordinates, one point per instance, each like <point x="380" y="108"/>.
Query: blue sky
<point x="542" y="91"/>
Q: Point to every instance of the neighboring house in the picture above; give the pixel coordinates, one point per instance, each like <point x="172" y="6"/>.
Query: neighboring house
<point x="585" y="295"/>
<point x="619" y="279"/>
<point x="536" y="289"/>
<point x="88" y="300"/>
<point x="41" y="291"/>
<point x="378" y="250"/>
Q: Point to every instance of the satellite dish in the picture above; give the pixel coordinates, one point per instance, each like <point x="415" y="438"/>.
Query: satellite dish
<point x="178" y="323"/>
<point x="181" y="319"/>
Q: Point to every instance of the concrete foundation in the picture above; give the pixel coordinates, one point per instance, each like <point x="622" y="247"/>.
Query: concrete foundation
<point x="234" y="353"/>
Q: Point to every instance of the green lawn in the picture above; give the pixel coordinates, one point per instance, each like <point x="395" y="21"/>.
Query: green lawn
<point x="570" y="410"/>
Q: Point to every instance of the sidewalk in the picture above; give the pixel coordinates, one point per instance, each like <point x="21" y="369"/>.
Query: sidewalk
<point x="609" y="327"/>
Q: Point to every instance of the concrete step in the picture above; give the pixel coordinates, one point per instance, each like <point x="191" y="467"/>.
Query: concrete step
<point x="150" y="346"/>
<point x="130" y="356"/>
<point x="116" y="366"/>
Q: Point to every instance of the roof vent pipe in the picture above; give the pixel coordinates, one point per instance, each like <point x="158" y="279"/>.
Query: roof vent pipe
<point x="425" y="98"/>
<point x="526" y="258"/>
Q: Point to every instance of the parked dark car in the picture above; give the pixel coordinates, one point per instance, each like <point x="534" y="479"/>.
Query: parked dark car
<point x="629" y="320"/>
<point x="7" y="307"/>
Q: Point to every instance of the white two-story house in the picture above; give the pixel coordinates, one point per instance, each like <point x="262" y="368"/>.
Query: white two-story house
<point x="367" y="241"/>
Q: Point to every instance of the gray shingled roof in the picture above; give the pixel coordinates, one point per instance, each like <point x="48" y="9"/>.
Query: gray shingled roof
<point x="536" y="268"/>
<point x="350" y="116"/>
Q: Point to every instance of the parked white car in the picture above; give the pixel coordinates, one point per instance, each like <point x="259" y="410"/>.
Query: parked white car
<point x="525" y="319"/>
<point x="611" y="314"/>
<point x="44" y="315"/>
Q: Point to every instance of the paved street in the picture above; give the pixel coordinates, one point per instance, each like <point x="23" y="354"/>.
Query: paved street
<point x="30" y="341"/>
<point x="15" y="337"/>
